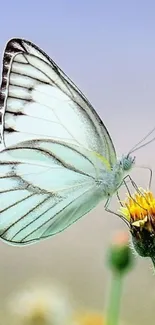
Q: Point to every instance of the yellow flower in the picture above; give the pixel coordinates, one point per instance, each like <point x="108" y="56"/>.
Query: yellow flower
<point x="89" y="318"/>
<point x="139" y="213"/>
<point x="139" y="210"/>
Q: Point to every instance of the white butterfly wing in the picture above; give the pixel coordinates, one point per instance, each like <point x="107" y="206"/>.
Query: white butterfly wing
<point x="38" y="100"/>
<point x="44" y="188"/>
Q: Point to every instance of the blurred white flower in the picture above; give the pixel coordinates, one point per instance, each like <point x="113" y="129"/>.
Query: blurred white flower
<point x="41" y="304"/>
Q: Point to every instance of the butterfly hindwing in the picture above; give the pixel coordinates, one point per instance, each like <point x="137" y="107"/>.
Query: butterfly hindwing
<point x="44" y="193"/>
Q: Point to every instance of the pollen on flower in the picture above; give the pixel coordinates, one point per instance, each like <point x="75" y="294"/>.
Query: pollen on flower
<point x="139" y="210"/>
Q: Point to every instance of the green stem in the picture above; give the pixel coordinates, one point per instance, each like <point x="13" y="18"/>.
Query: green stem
<point x="153" y="261"/>
<point x="115" y="299"/>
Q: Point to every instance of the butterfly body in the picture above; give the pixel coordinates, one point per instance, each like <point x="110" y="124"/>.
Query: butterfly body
<point x="113" y="179"/>
<point x="57" y="160"/>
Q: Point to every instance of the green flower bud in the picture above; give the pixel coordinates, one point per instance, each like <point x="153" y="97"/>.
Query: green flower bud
<point x="120" y="256"/>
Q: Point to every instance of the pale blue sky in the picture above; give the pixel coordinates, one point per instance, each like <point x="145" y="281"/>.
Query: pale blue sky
<point x="108" y="49"/>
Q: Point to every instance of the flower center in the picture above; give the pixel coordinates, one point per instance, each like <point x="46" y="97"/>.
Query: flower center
<point x="139" y="209"/>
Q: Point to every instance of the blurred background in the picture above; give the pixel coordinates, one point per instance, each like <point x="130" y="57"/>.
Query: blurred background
<point x="108" y="49"/>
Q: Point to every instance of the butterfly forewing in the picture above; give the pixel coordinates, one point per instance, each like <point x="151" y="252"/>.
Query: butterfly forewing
<point x="38" y="100"/>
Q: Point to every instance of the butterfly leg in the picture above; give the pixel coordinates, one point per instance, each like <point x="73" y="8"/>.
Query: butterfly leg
<point x="106" y="206"/>
<point x="136" y="188"/>
<point x="151" y="173"/>
<point x="119" y="199"/>
<point x="150" y="178"/>
<point x="128" y="177"/>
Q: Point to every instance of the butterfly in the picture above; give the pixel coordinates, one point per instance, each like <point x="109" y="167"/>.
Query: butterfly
<point x="57" y="160"/>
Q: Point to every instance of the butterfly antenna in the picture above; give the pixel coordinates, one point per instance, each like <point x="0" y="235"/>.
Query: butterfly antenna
<point x="135" y="148"/>
<point x="143" y="145"/>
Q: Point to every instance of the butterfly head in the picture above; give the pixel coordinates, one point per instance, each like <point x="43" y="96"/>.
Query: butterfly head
<point x="127" y="163"/>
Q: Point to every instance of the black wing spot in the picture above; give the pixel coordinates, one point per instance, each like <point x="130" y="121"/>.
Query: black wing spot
<point x="0" y="118"/>
<point x="9" y="130"/>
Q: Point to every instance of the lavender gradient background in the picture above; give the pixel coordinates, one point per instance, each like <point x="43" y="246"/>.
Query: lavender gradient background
<point x="108" y="49"/>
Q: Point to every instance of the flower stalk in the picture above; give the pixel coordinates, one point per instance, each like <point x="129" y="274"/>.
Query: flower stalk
<point x="120" y="261"/>
<point x="113" y="311"/>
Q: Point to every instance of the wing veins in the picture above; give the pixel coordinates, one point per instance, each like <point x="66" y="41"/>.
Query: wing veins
<point x="70" y="85"/>
<point x="44" y="223"/>
<point x="14" y="204"/>
<point x="38" y="217"/>
<point x="28" y="76"/>
<point x="65" y="165"/>
<point x="23" y="216"/>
